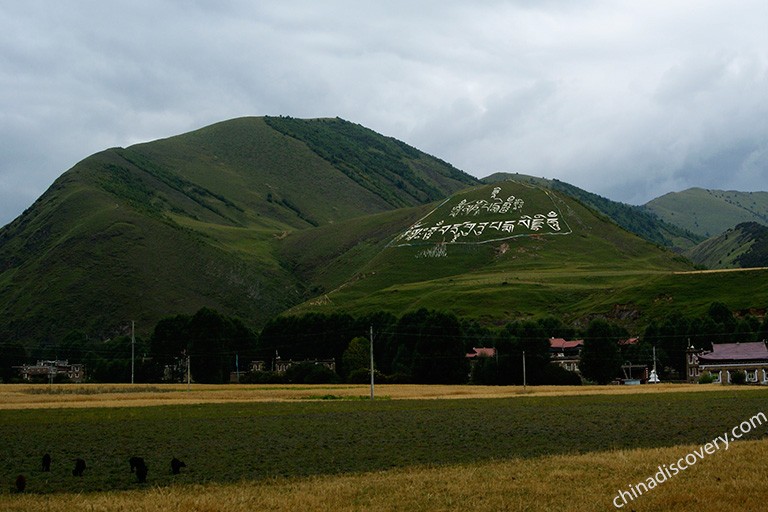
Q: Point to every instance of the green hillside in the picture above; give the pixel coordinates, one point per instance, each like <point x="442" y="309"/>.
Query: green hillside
<point x="190" y="221"/>
<point x="708" y="213"/>
<point x="511" y="250"/>
<point x="744" y="246"/>
<point x="255" y="217"/>
<point x="636" y="219"/>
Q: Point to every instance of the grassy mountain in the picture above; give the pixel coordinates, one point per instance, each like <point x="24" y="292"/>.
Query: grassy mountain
<point x="258" y="216"/>
<point x="708" y="213"/>
<point x="471" y="256"/>
<point x="195" y="220"/>
<point x="509" y="250"/>
<point x="636" y="219"/>
<point x="744" y="246"/>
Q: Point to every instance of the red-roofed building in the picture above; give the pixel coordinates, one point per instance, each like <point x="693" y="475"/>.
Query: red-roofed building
<point x="481" y="352"/>
<point x="476" y="354"/>
<point x="566" y="353"/>
<point x="726" y="358"/>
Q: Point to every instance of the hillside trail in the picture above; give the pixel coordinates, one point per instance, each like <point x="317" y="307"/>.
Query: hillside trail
<point x="718" y="270"/>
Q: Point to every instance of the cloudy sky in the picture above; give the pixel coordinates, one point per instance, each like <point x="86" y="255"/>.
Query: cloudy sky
<point x="628" y="99"/>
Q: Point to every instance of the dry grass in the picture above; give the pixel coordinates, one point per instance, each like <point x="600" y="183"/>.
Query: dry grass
<point x="737" y="478"/>
<point x="27" y="396"/>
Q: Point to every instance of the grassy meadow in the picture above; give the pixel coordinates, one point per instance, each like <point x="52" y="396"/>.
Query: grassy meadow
<point x="415" y="448"/>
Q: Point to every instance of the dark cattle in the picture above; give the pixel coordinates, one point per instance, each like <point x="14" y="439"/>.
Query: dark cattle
<point x="141" y="472"/>
<point x="21" y="483"/>
<point x="47" y="462"/>
<point x="135" y="462"/>
<point x="176" y="465"/>
<point x="79" y="467"/>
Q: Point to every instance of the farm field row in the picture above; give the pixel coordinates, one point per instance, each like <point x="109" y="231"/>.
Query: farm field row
<point x="24" y="396"/>
<point x="577" y="483"/>
<point x="262" y="441"/>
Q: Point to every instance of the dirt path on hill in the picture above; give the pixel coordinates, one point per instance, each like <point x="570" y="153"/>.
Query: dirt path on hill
<point x="721" y="270"/>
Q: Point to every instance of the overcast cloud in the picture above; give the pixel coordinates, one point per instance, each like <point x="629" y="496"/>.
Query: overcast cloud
<point x="628" y="99"/>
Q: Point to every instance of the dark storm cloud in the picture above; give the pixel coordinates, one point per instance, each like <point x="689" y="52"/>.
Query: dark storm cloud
<point x="627" y="99"/>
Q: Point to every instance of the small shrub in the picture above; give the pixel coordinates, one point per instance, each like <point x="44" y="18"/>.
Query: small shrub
<point x="706" y="378"/>
<point x="738" y="377"/>
<point x="262" y="378"/>
<point x="556" y="375"/>
<point x="310" y="373"/>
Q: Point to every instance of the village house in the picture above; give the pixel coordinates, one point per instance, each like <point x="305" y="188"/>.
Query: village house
<point x="726" y="358"/>
<point x="49" y="370"/>
<point x="566" y="353"/>
<point x="476" y="354"/>
<point x="281" y="365"/>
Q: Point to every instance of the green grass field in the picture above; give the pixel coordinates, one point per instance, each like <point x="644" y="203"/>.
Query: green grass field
<point x="257" y="442"/>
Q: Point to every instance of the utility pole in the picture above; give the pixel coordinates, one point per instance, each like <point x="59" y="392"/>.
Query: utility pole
<point x="133" y="349"/>
<point x="371" y="362"/>
<point x="524" y="380"/>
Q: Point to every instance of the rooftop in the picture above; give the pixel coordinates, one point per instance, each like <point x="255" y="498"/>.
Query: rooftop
<point x="561" y="344"/>
<point x="481" y="352"/>
<point x="748" y="351"/>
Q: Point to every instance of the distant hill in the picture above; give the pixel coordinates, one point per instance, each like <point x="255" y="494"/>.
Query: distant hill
<point x="744" y="246"/>
<point x="195" y="220"/>
<point x="709" y="213"/>
<point x="635" y="219"/>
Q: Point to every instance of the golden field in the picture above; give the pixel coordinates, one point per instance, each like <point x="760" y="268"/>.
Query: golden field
<point x="727" y="479"/>
<point x="27" y="396"/>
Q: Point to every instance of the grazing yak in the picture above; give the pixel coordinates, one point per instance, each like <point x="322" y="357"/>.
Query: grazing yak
<point x="139" y="467"/>
<point x="176" y="465"/>
<point x="79" y="467"/>
<point x="135" y="462"/>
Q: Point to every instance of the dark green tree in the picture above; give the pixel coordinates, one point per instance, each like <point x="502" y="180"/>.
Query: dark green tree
<point x="110" y="361"/>
<point x="485" y="371"/>
<point x="722" y="316"/>
<point x="310" y="373"/>
<point x="73" y="347"/>
<point x="763" y="333"/>
<point x="357" y="356"/>
<point x="407" y="335"/>
<point x="439" y="356"/>
<point x="600" y="357"/>
<point x="747" y="329"/>
<point x="11" y="354"/>
<point x="214" y="343"/>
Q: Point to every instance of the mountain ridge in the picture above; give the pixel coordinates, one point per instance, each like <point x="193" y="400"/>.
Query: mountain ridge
<point x="710" y="212"/>
<point x="259" y="216"/>
<point x="181" y="223"/>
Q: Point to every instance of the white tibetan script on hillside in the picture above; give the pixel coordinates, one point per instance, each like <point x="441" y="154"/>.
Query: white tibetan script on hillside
<point x="495" y="205"/>
<point x="483" y="221"/>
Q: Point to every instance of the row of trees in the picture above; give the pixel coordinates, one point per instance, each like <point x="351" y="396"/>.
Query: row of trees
<point x="423" y="346"/>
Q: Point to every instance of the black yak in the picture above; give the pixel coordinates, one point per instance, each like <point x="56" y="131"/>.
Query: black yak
<point x="140" y="468"/>
<point x="176" y="465"/>
<point x="141" y="473"/>
<point x="21" y="483"/>
<point x="135" y="462"/>
<point x="79" y="467"/>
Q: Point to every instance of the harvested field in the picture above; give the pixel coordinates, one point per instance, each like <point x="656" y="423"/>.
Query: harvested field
<point x="25" y="396"/>
<point x="415" y="448"/>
